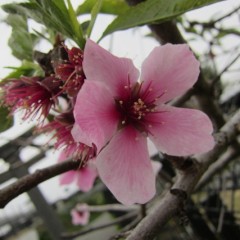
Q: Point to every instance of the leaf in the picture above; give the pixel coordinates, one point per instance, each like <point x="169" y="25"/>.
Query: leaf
<point x="21" y="41"/>
<point x="115" y="7"/>
<point x="6" y="121"/>
<point x="53" y="14"/>
<point x="153" y="11"/>
<point x="95" y="10"/>
<point x="75" y="25"/>
<point x="26" y="69"/>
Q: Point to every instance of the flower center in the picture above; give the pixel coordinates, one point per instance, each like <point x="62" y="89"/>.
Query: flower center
<point x="134" y="109"/>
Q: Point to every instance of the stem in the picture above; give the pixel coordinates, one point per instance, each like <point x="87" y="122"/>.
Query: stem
<point x="94" y="228"/>
<point x="30" y="181"/>
<point x="170" y="204"/>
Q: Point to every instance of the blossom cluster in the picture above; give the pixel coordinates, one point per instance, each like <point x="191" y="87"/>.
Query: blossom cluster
<point x="40" y="98"/>
<point x="111" y="114"/>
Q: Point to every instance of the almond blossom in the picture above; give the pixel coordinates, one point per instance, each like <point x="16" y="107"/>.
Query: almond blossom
<point x="80" y="214"/>
<point x="71" y="71"/>
<point x="117" y="113"/>
<point x="34" y="95"/>
<point x="86" y="173"/>
<point x="84" y="177"/>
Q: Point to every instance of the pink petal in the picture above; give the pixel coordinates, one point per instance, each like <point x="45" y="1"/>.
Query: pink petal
<point x="62" y="157"/>
<point x="125" y="167"/>
<point x="86" y="177"/>
<point x="169" y="71"/>
<point x="80" y="214"/>
<point x="67" y="177"/>
<point x="101" y="65"/>
<point x="95" y="115"/>
<point x="181" y="132"/>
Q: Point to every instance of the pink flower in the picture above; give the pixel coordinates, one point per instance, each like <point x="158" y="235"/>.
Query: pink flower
<point x="35" y="95"/>
<point x="84" y="176"/>
<point x="71" y="72"/>
<point x="117" y="114"/>
<point x="80" y="214"/>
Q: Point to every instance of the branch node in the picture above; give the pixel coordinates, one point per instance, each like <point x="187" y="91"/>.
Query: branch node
<point x="181" y="194"/>
<point x="185" y="165"/>
<point x="221" y="138"/>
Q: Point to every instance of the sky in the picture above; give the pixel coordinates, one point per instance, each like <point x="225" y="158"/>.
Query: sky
<point x="131" y="44"/>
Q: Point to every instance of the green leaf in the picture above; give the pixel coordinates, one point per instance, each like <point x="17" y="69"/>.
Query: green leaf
<point x="115" y="7"/>
<point x="21" y="41"/>
<point x="6" y="121"/>
<point x="53" y="14"/>
<point x="96" y="9"/>
<point x="26" y="69"/>
<point x="75" y="25"/>
<point x="154" y="11"/>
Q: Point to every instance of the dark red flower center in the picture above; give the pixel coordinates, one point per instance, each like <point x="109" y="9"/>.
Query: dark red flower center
<point x="134" y="109"/>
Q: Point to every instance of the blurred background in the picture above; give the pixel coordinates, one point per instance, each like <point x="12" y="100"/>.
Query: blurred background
<point x="213" y="32"/>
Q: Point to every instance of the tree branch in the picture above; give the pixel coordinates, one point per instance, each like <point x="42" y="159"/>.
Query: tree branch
<point x="170" y="203"/>
<point x="113" y="208"/>
<point x="32" y="180"/>
<point x="94" y="228"/>
<point x="229" y="156"/>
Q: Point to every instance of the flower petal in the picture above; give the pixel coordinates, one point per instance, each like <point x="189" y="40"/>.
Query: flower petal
<point x="95" y="115"/>
<point x="67" y="177"/>
<point x="101" y="65"/>
<point x="181" y="132"/>
<point x="169" y="71"/>
<point x="86" y="177"/>
<point x="125" y="167"/>
<point x="80" y="214"/>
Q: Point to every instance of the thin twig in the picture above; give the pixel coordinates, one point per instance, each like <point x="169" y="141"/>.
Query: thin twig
<point x="126" y="230"/>
<point x="227" y="15"/>
<point x="94" y="228"/>
<point x="225" y="159"/>
<point x="170" y="203"/>
<point x="30" y="181"/>
<point x="113" y="208"/>
<point x="211" y="24"/>
<point x="217" y="78"/>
